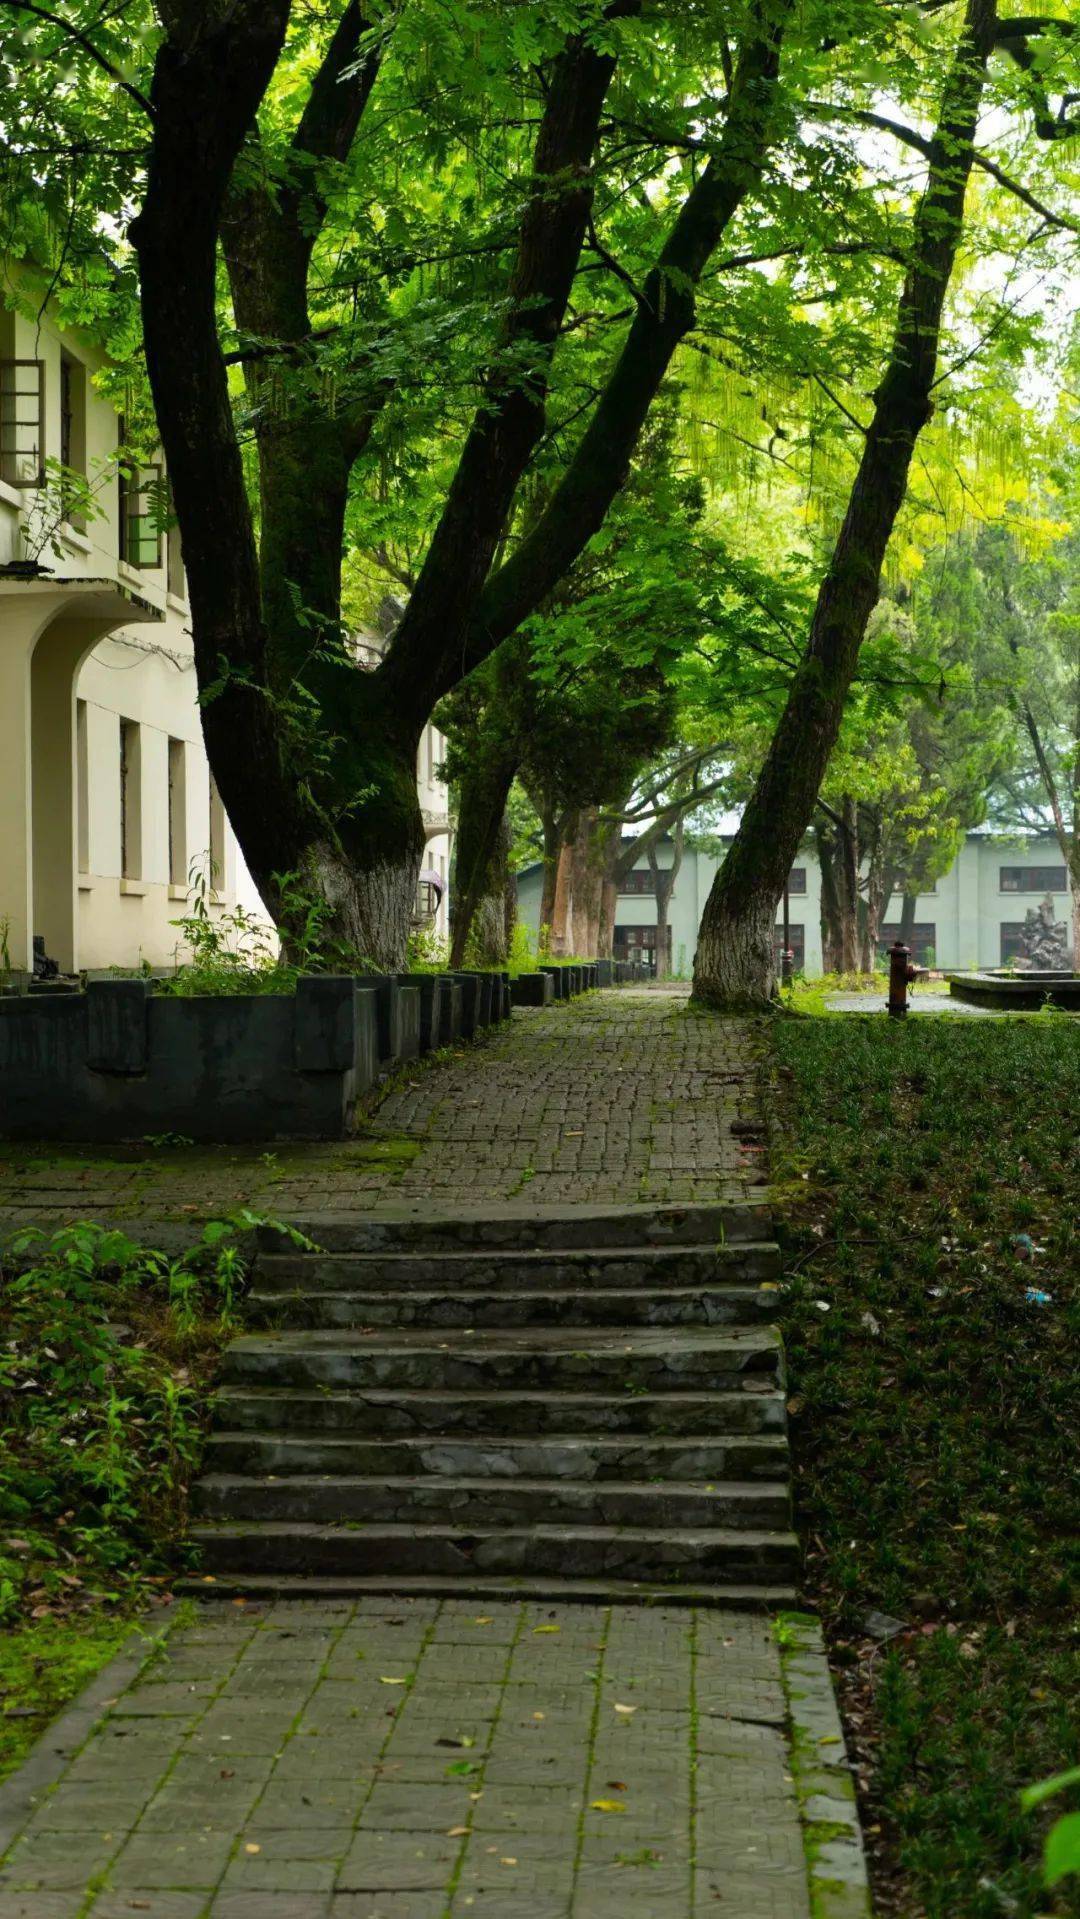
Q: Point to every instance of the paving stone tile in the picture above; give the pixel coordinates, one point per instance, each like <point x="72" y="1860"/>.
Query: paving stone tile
<point x="148" y="1902"/>
<point x="398" y="1862"/>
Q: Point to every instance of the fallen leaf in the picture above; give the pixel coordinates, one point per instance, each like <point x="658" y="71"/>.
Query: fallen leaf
<point x="607" y="1805"/>
<point x="618" y="1785"/>
<point x="625" y="1710"/>
<point x="547" y="1629"/>
<point x="538" y="1715"/>
<point x="484" y="1620"/>
<point x="252" y="1848"/>
<point x="508" y="1862"/>
<point x="386" y="1680"/>
<point x="456" y="1832"/>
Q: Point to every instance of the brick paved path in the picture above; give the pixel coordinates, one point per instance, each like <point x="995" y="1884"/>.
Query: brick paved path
<point x="427" y="1759"/>
<point x="617" y="1097"/>
<point x="415" y="1759"/>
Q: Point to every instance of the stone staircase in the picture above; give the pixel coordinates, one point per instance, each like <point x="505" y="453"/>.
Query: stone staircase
<point x="585" y="1403"/>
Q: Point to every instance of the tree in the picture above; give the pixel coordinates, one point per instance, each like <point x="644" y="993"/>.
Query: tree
<point x="334" y="800"/>
<point x="734" y="964"/>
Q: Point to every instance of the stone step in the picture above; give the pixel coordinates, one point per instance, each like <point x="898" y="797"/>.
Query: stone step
<point x="582" y="1267"/>
<point x="762" y="1456"/>
<point x="269" y="1410"/>
<point x="486" y="1502"/>
<point x="633" y="1360"/>
<point x="730" y="1305"/>
<point x="524" y="1228"/>
<point x="715" y="1555"/>
<point x="587" y="1588"/>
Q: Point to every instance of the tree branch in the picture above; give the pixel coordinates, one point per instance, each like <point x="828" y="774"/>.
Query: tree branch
<point x="84" y="41"/>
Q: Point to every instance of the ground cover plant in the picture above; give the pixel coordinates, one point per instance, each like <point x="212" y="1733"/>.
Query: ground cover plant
<point x="928" y="1177"/>
<point x="107" y="1351"/>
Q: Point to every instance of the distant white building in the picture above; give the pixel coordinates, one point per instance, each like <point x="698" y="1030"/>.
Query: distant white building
<point x="973" y="917"/>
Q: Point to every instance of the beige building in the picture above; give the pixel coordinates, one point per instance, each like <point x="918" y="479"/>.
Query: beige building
<point x="106" y="800"/>
<point x="105" y="792"/>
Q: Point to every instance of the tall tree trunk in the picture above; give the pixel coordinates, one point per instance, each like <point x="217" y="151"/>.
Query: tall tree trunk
<point x="849" y="886"/>
<point x="825" y="839"/>
<point x="552" y="843"/>
<point x="663" y="878"/>
<point x="907" y="918"/>
<point x="481" y="861"/>
<point x="564" y="885"/>
<point x="734" y="966"/>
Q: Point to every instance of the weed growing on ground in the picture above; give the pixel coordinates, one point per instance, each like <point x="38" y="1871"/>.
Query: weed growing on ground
<point x="930" y="1178"/>
<point x="106" y="1351"/>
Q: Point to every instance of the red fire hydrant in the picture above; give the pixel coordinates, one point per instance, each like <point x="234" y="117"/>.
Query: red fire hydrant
<point x="901" y="975"/>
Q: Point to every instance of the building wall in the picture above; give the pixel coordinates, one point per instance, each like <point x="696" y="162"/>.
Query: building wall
<point x="968" y="910"/>
<point x="141" y="674"/>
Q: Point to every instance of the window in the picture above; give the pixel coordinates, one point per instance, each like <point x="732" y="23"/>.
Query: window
<point x="217" y="839"/>
<point x="72" y="436"/>
<point x="82" y="785"/>
<point x="923" y="941"/>
<point x="638" y="942"/>
<point x="427" y="902"/>
<point x="178" y="851"/>
<point x="1033" y="879"/>
<point x="130" y="800"/>
<point x="797" y="880"/>
<point x="1012" y="941"/>
<point x="797" y="937"/>
<point x="640" y="881"/>
<point x="143" y="510"/>
<point x="22" y="417"/>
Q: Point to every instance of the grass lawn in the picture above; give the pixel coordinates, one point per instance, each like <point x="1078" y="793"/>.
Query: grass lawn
<point x="928" y="1177"/>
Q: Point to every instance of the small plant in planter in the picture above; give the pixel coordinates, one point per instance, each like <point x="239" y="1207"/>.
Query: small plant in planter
<point x="67" y="499"/>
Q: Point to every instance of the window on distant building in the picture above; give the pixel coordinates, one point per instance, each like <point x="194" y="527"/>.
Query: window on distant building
<point x="797" y="939"/>
<point x="130" y="799"/>
<point x="923" y="941"/>
<point x="1033" y="879"/>
<point x="82" y="785"/>
<point x="638" y="942"/>
<point x="639" y="881"/>
<point x="178" y="847"/>
<point x="797" y="880"/>
<point x="217" y="839"/>
<point x="22" y="412"/>
<point x="73" y="438"/>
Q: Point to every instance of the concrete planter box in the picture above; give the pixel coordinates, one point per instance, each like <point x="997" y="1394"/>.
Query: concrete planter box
<point x="555" y="974"/>
<point x="119" y="1061"/>
<point x="472" y="999"/>
<point x="605" y="972"/>
<point x="532" y="989"/>
<point x="397" y="1006"/>
<point x="435" y="1009"/>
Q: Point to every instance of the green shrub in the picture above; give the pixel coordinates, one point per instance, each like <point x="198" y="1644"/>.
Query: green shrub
<point x="106" y="1348"/>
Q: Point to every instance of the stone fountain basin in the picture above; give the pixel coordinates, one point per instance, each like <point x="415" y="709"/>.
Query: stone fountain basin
<point x="1017" y="992"/>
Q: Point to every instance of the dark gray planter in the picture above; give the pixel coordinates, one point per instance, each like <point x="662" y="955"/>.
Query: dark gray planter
<point x="120" y="1062"/>
<point x="397" y="1000"/>
<point x="605" y="972"/>
<point x="532" y="989"/>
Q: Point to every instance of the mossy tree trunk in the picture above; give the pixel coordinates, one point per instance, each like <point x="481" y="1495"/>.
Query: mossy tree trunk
<point x="734" y="966"/>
